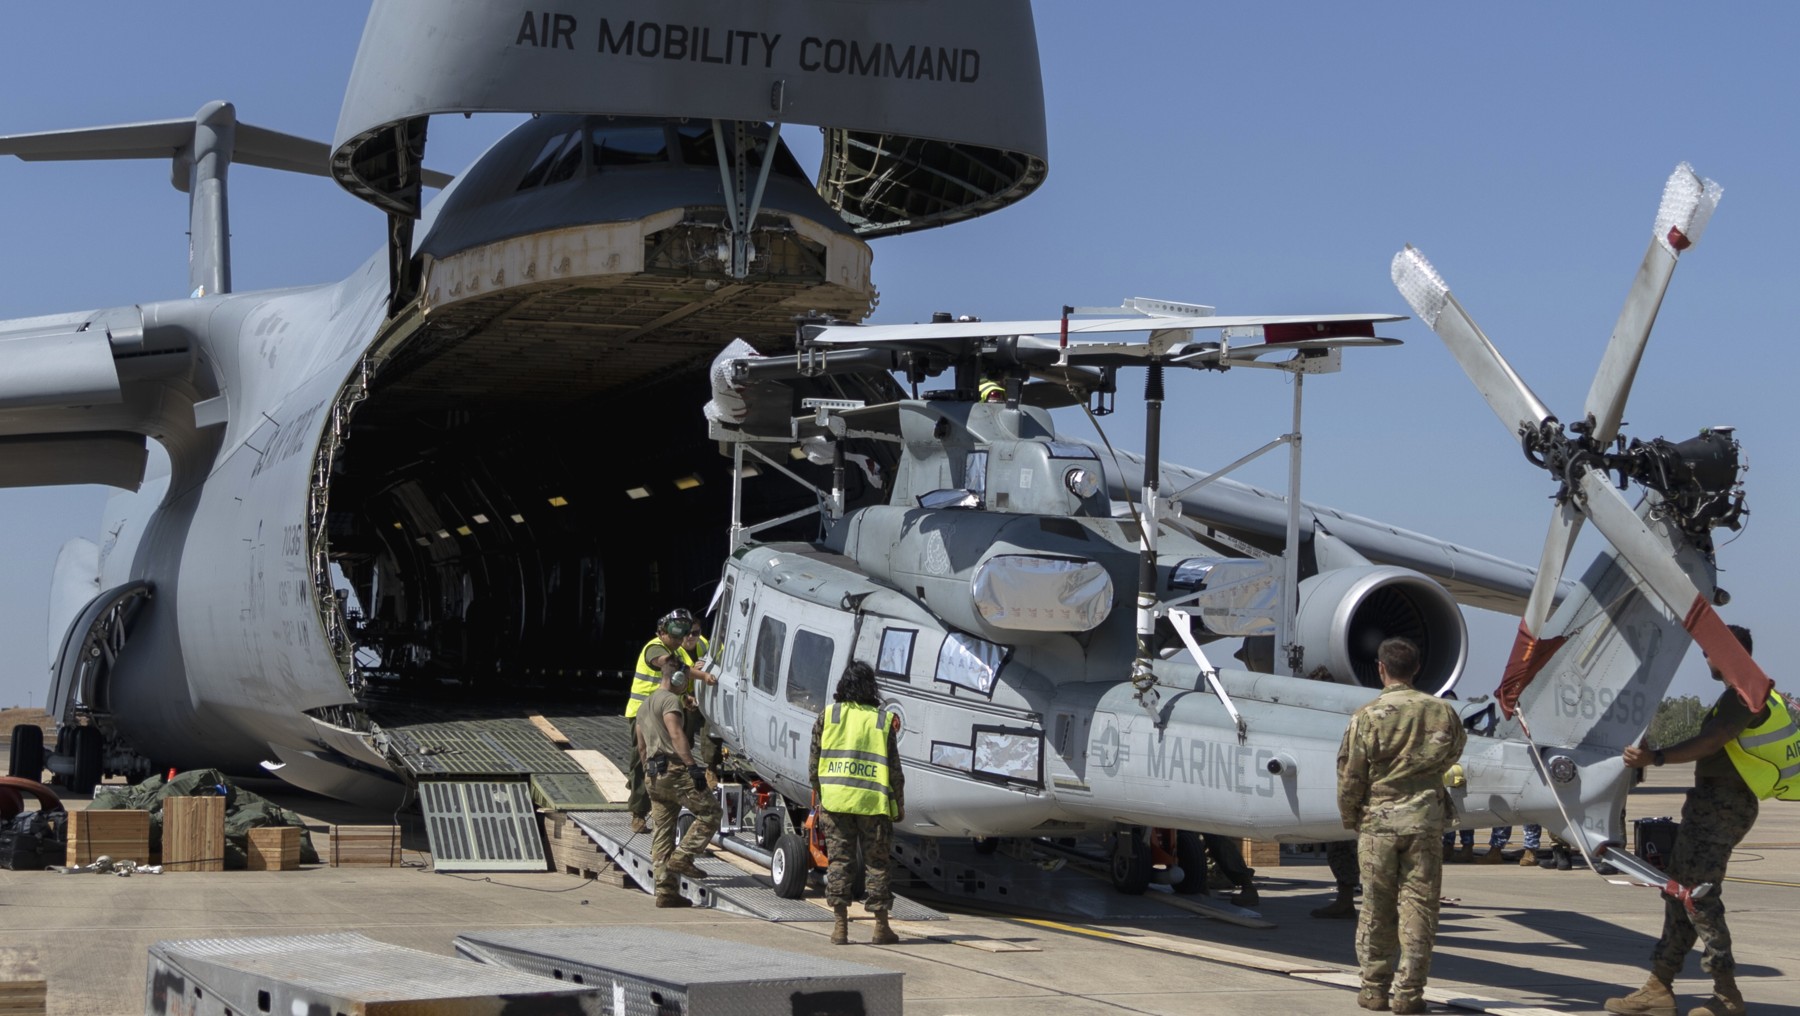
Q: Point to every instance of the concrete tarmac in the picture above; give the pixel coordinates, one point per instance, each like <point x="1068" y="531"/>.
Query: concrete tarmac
<point x="1515" y="940"/>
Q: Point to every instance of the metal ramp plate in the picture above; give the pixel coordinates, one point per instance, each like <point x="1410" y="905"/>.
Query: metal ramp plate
<point x="650" y="971"/>
<point x="727" y="888"/>
<point x="495" y="747"/>
<point x="339" y="973"/>
<point x="568" y="792"/>
<point x="481" y="826"/>
<point x="953" y="868"/>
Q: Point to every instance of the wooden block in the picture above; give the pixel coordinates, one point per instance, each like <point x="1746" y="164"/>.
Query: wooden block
<point x="194" y="834"/>
<point x="365" y="846"/>
<point x="556" y="736"/>
<point x="274" y="848"/>
<point x="122" y="835"/>
<point x="21" y="981"/>
<point x="572" y="852"/>
<point x="1262" y="853"/>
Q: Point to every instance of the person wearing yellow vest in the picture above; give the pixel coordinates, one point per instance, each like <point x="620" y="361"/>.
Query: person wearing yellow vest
<point x="1733" y="767"/>
<point x="664" y="652"/>
<point x="861" y="792"/>
<point x="990" y="389"/>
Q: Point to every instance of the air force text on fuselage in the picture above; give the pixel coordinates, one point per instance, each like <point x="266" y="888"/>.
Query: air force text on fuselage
<point x="741" y="47"/>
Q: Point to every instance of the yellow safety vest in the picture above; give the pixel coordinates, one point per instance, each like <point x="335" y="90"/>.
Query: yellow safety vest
<point x="1767" y="755"/>
<point x="853" y="761"/>
<point x="987" y="389"/>
<point x="647" y="678"/>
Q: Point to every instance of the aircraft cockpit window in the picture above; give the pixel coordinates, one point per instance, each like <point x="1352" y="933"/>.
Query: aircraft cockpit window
<point x="969" y="662"/>
<point x="766" y="670"/>
<point x="695" y="142"/>
<point x="809" y="670"/>
<point x="630" y="146"/>
<point x="1064" y="450"/>
<point x="895" y="659"/>
<point x="559" y="160"/>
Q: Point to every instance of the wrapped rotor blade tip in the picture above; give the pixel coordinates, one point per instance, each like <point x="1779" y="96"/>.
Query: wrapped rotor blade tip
<point x="1420" y="285"/>
<point x="1688" y="202"/>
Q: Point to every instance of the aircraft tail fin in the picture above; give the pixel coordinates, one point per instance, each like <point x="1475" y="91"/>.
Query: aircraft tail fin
<point x="1599" y="670"/>
<point x="200" y="150"/>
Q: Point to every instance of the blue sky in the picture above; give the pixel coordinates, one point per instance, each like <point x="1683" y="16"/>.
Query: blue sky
<point x="1264" y="158"/>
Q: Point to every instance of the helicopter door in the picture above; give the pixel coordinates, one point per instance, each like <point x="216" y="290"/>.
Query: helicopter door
<point x="730" y="626"/>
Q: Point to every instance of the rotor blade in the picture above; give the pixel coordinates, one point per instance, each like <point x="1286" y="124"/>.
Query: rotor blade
<point x="1565" y="524"/>
<point x="1296" y="325"/>
<point x="1509" y="397"/>
<point x="1663" y="577"/>
<point x="1687" y="204"/>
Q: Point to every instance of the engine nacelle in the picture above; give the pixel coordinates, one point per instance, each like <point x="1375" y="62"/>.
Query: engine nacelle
<point x="1346" y="612"/>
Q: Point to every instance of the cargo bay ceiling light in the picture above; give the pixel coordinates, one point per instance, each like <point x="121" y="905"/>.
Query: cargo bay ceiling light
<point x="638" y="493"/>
<point x="688" y="482"/>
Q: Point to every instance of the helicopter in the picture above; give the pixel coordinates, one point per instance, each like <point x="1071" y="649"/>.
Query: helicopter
<point x="1038" y="610"/>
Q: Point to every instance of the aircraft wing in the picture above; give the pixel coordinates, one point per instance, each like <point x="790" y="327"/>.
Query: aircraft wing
<point x="1251" y="515"/>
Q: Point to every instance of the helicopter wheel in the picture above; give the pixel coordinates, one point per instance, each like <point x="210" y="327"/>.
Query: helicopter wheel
<point x="682" y="825"/>
<point x="789" y="865"/>
<point x="1131" y="861"/>
<point x="768" y="829"/>
<point x="985" y="845"/>
<point x="1190" y="854"/>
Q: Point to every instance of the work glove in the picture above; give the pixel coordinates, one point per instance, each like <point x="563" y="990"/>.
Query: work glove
<point x="698" y="774"/>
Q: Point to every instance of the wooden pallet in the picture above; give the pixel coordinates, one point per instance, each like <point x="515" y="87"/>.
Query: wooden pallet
<point x="1261" y="853"/>
<point x="274" y="848"/>
<point x="21" y="981"/>
<point x="571" y="851"/>
<point x="121" y="835"/>
<point x="365" y="846"/>
<point x="193" y="834"/>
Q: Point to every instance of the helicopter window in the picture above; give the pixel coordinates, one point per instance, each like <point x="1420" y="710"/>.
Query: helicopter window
<point x="952" y="756"/>
<point x="630" y="146"/>
<point x="969" y="662"/>
<point x="950" y="497"/>
<point x="896" y="652"/>
<point x="1014" y="754"/>
<point x="766" y="671"/>
<point x="549" y="157"/>
<point x="975" y="472"/>
<point x="1062" y="450"/>
<point x="809" y="670"/>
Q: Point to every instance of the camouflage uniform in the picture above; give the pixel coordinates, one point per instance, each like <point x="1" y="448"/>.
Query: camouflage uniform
<point x="847" y="836"/>
<point x="1716" y="817"/>
<point x="669" y="793"/>
<point x="1391" y="769"/>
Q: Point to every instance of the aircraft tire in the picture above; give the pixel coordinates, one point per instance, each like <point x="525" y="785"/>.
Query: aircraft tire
<point x="1131" y="862"/>
<point x="86" y="747"/>
<point x="768" y="829"/>
<point x="1190" y="853"/>
<point x="682" y="824"/>
<point x="789" y="866"/>
<point x="27" y="754"/>
<point x="985" y="845"/>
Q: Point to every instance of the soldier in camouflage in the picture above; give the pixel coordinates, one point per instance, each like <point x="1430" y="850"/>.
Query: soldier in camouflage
<point x="675" y="779"/>
<point x="1717" y="816"/>
<point x="1391" y="769"/>
<point x="861" y="790"/>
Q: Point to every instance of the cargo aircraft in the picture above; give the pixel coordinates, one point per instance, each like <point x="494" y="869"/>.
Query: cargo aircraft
<point x="479" y="464"/>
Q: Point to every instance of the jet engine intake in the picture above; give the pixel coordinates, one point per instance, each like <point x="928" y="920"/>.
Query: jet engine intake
<point x="1345" y="613"/>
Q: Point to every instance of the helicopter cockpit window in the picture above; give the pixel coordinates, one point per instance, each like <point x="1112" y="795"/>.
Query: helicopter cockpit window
<point x="630" y="146"/>
<point x="555" y="158"/>
<point x="969" y="662"/>
<point x="765" y="672"/>
<point x="809" y="670"/>
<point x="1064" y="450"/>
<point x="895" y="659"/>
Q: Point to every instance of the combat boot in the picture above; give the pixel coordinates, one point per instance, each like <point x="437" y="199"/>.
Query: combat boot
<point x="1528" y="859"/>
<point x="840" y="925"/>
<point x="685" y="866"/>
<point x="1407" y="1004"/>
<point x="1653" y="999"/>
<point x="1494" y="855"/>
<point x="1465" y="854"/>
<point x="1373" y="999"/>
<point x="884" y="935"/>
<point x="1246" y="897"/>
<point x="1726" y="1000"/>
<point x="1343" y="906"/>
<point x="639" y="824"/>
